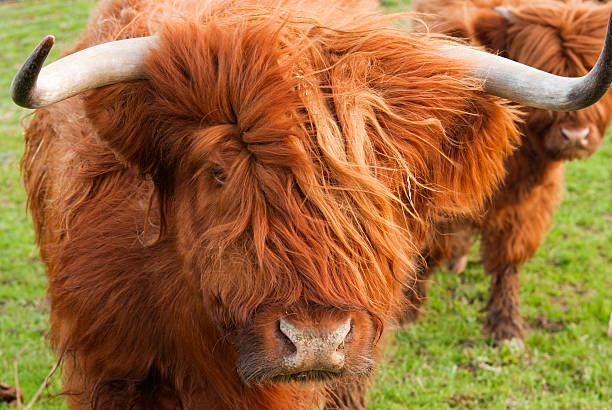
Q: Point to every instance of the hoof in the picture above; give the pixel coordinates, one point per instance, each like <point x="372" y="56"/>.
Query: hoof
<point x="456" y="265"/>
<point x="505" y="330"/>
<point x="514" y="345"/>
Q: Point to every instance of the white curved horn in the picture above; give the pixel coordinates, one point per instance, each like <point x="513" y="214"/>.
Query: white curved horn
<point x="93" y="67"/>
<point x="505" y="13"/>
<point x="123" y="60"/>
<point x="529" y="86"/>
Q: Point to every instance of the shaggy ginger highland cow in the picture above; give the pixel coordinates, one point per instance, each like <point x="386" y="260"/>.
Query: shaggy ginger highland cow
<point x="229" y="195"/>
<point x="562" y="38"/>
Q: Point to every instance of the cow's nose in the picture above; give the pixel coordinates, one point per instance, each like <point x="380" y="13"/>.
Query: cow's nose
<point x="314" y="349"/>
<point x="576" y="135"/>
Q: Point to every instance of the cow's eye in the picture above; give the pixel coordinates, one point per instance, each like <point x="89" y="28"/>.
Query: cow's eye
<point x="218" y="174"/>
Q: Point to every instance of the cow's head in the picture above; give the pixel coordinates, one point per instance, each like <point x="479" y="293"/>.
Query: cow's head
<point x="296" y="167"/>
<point x="563" y="39"/>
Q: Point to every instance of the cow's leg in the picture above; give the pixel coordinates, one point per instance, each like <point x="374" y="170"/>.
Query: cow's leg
<point x="511" y="234"/>
<point x="503" y="308"/>
<point x="445" y="240"/>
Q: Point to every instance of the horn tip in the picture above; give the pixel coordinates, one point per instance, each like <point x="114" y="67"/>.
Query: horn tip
<point x="25" y="79"/>
<point x="48" y="41"/>
<point x="504" y="12"/>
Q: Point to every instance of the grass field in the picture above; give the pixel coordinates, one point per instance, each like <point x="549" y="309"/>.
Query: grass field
<point x="443" y="361"/>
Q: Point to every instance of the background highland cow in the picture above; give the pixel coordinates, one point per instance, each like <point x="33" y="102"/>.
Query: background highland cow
<point x="423" y="379"/>
<point x="557" y="37"/>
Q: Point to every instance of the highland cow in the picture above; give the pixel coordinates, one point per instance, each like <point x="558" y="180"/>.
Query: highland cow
<point x="562" y="38"/>
<point x="229" y="195"/>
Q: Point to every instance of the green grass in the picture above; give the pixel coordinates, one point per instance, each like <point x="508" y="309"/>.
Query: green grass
<point x="23" y="308"/>
<point x="441" y="362"/>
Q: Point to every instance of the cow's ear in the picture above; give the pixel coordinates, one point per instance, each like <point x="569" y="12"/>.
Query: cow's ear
<point x="490" y="28"/>
<point x="122" y="116"/>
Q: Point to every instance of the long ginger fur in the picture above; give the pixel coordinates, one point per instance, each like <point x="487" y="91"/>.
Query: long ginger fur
<point x="564" y="38"/>
<point x="278" y="153"/>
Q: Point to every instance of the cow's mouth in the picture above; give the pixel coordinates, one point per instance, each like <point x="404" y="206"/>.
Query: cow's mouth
<point x="258" y="376"/>
<point x="573" y="153"/>
<point x="307" y="376"/>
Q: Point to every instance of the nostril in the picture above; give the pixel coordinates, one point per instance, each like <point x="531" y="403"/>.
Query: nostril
<point x="342" y="335"/>
<point x="351" y="333"/>
<point x="564" y="135"/>
<point x="342" y="347"/>
<point x="287" y="346"/>
<point x="575" y="135"/>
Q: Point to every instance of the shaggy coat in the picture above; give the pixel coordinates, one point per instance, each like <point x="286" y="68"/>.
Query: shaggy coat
<point x="559" y="37"/>
<point x="282" y="156"/>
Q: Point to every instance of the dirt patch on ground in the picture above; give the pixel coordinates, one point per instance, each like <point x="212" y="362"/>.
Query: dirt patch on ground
<point x="470" y="367"/>
<point x="467" y="343"/>
<point x="8" y="394"/>
<point x="469" y="300"/>
<point x="546" y="323"/>
<point x="465" y="400"/>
